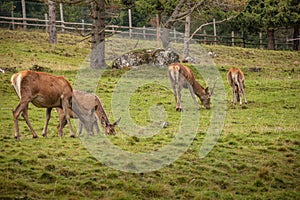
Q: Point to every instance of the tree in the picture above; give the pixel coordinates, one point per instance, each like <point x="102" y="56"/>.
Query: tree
<point x="269" y="15"/>
<point x="97" y="13"/>
<point x="295" y="13"/>
<point x="24" y="14"/>
<point x="52" y="21"/>
<point x="223" y="9"/>
<point x="97" y="9"/>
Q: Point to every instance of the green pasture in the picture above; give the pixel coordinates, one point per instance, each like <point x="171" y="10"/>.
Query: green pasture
<point x="255" y="157"/>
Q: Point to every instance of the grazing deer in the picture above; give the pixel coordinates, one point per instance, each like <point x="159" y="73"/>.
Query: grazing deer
<point x="91" y="103"/>
<point x="236" y="80"/>
<point x="182" y="76"/>
<point x="44" y="91"/>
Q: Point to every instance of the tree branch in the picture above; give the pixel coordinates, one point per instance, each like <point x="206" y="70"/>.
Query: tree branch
<point x="177" y="15"/>
<point x="209" y="23"/>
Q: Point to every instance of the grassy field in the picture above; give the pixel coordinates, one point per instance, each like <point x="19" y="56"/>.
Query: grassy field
<point x="256" y="156"/>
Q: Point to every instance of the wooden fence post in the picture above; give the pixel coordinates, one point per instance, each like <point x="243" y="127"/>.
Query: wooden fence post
<point x="144" y="32"/>
<point x="24" y="15"/>
<point x="61" y="17"/>
<point x="46" y="22"/>
<point x="215" y="31"/>
<point x="130" y="23"/>
<point x="12" y="21"/>
<point x="260" y="41"/>
<point x="287" y="42"/>
<point x="82" y="26"/>
<point x="158" y="28"/>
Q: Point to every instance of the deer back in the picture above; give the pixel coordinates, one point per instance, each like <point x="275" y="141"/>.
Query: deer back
<point x="44" y="90"/>
<point x="235" y="75"/>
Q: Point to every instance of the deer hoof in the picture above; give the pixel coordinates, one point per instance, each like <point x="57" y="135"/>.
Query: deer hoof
<point x="17" y="137"/>
<point x="179" y="109"/>
<point x="73" y="136"/>
<point x="35" y="136"/>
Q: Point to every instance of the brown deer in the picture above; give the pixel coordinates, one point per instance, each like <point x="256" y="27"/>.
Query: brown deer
<point x="181" y="76"/>
<point x="236" y="80"/>
<point x="44" y="91"/>
<point x="91" y="103"/>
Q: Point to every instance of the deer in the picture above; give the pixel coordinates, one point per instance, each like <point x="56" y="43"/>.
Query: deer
<point x="181" y="76"/>
<point x="48" y="91"/>
<point x="92" y="104"/>
<point x="236" y="79"/>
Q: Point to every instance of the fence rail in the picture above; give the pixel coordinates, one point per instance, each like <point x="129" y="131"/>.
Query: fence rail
<point x="142" y="32"/>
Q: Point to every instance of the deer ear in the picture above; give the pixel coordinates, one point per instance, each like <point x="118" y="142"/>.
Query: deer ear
<point x="117" y="122"/>
<point x="207" y="90"/>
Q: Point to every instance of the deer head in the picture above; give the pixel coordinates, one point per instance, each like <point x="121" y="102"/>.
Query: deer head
<point x="206" y="95"/>
<point x="110" y="128"/>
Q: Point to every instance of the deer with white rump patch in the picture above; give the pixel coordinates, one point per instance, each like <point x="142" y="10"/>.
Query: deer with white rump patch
<point x="182" y="76"/>
<point x="44" y="91"/>
<point x="91" y="103"/>
<point x="236" y="79"/>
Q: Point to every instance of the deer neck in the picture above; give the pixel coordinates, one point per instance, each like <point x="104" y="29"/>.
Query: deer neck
<point x="198" y="89"/>
<point x="102" y="115"/>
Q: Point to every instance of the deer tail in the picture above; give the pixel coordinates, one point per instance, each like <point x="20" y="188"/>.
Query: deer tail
<point x="174" y="72"/>
<point x="16" y="82"/>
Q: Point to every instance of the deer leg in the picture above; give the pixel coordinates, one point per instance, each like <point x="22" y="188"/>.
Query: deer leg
<point x="96" y="126"/>
<point x="67" y="116"/>
<point x="173" y="84"/>
<point x="70" y="126"/>
<point x="236" y="93"/>
<point x="178" y="103"/>
<point x="61" y="125"/>
<point x="16" y="125"/>
<point x="25" y="116"/>
<point x="193" y="96"/>
<point x="240" y="97"/>
<point x="243" y="91"/>
<point x="62" y="122"/>
<point x="89" y="128"/>
<point x="233" y="87"/>
<point x="88" y="124"/>
<point x="239" y="92"/>
<point x="79" y="131"/>
<point x="22" y="107"/>
<point x="48" y="115"/>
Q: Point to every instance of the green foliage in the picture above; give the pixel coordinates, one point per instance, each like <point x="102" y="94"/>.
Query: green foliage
<point x="6" y="8"/>
<point x="269" y="14"/>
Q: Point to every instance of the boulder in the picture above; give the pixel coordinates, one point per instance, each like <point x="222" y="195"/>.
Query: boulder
<point x="159" y="57"/>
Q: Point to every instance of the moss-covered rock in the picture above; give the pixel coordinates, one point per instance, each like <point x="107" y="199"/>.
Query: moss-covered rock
<point x="159" y="57"/>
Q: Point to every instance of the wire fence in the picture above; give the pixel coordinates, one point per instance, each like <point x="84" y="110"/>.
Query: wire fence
<point x="75" y="19"/>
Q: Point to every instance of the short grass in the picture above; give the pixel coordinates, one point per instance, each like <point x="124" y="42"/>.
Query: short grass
<point x="256" y="156"/>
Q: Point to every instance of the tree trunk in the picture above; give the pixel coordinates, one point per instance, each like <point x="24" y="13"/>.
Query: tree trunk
<point x="271" y="39"/>
<point x="165" y="37"/>
<point x="52" y="21"/>
<point x="186" y="46"/>
<point x="97" y="59"/>
<point x="24" y="14"/>
<point x="296" y="36"/>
